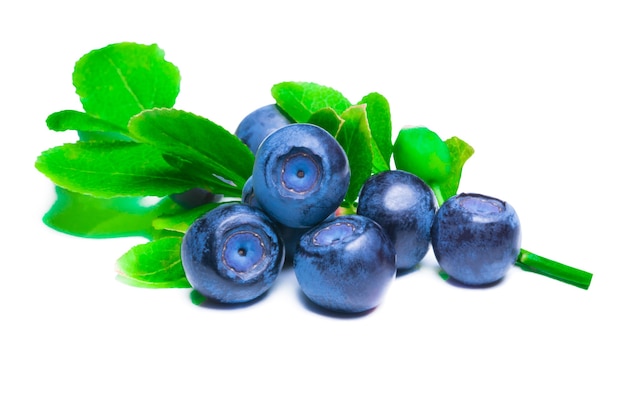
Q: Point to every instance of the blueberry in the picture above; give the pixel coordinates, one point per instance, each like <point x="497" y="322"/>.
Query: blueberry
<point x="259" y="124"/>
<point x="405" y="207"/>
<point x="291" y="237"/>
<point x="345" y="264"/>
<point x="300" y="175"/>
<point x="476" y="238"/>
<point x="232" y="254"/>
<point x="195" y="197"/>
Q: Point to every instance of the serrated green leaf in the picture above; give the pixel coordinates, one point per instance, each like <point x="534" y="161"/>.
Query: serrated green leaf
<point x="328" y="119"/>
<point x="180" y="222"/>
<point x="356" y="140"/>
<point x="120" y="80"/>
<point x="460" y="152"/>
<point x="156" y="264"/>
<point x="90" y="217"/>
<point x="196" y="145"/>
<point x="300" y="99"/>
<point x="379" y="120"/>
<point x="112" y="169"/>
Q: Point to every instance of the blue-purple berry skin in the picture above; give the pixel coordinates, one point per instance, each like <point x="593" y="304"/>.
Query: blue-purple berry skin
<point x="476" y="238"/>
<point x="405" y="207"/>
<point x="257" y="125"/>
<point x="345" y="264"/>
<point x="232" y="254"/>
<point x="301" y="175"/>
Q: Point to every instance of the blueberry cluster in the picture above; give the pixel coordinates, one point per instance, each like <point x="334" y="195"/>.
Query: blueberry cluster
<point x="344" y="263"/>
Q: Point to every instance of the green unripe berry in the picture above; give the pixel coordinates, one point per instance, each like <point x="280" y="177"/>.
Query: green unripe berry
<point x="421" y="152"/>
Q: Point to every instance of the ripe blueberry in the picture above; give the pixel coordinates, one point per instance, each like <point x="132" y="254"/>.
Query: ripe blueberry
<point x="476" y="238"/>
<point x="345" y="264"/>
<point x="300" y="175"/>
<point x="405" y="207"/>
<point x="232" y="254"/>
<point x="259" y="124"/>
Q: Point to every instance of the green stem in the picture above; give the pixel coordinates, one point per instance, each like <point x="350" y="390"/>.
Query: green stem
<point x="558" y="271"/>
<point x="438" y="195"/>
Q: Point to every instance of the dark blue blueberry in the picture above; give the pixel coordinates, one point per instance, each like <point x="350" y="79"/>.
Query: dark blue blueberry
<point x="345" y="264"/>
<point x="405" y="207"/>
<point x="476" y="238"/>
<point x="259" y="124"/>
<point x="300" y="175"/>
<point x="196" y="197"/>
<point x="232" y="254"/>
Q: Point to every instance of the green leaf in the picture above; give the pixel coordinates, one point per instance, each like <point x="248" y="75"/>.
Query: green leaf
<point x="90" y="217"/>
<point x="196" y="145"/>
<point x="89" y="128"/>
<point x="460" y="152"/>
<point x="328" y="119"/>
<point x="156" y="264"/>
<point x="74" y="120"/>
<point x="300" y="100"/>
<point x="180" y="222"/>
<point x="112" y="169"/>
<point x="379" y="120"/>
<point x="356" y="140"/>
<point x="102" y="136"/>
<point x="120" y="80"/>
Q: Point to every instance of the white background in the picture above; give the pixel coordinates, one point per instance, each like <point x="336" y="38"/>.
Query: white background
<point x="537" y="87"/>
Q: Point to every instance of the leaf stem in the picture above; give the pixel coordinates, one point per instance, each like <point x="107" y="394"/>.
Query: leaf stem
<point x="438" y="195"/>
<point x="538" y="264"/>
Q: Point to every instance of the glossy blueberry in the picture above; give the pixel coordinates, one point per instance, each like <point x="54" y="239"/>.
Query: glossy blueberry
<point x="195" y="197"/>
<point x="300" y="175"/>
<point x="259" y="124"/>
<point x="405" y="207"/>
<point x="232" y="254"/>
<point x="476" y="238"/>
<point x="345" y="264"/>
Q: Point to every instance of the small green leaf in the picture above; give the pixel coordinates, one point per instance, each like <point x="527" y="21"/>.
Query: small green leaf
<point x="91" y="217"/>
<point x="328" y="119"/>
<point x="300" y="100"/>
<point x="196" y="145"/>
<point x="356" y="139"/>
<point x="74" y="120"/>
<point x="89" y="128"/>
<point x="112" y="169"/>
<point x="180" y="222"/>
<point x="460" y="152"/>
<point x="120" y="80"/>
<point x="156" y="264"/>
<point x="379" y="120"/>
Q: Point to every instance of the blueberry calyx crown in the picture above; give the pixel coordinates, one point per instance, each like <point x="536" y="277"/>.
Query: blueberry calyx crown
<point x="300" y="172"/>
<point x="334" y="233"/>
<point x="479" y="204"/>
<point x="243" y="252"/>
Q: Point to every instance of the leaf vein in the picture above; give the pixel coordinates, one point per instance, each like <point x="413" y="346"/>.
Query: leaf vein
<point x="118" y="70"/>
